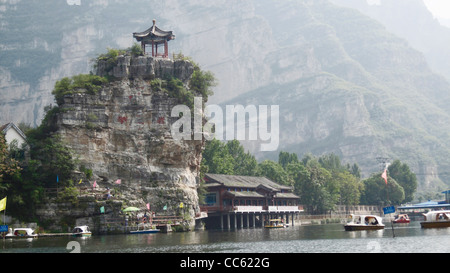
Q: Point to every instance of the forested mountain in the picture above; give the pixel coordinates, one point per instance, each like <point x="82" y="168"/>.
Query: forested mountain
<point x="370" y="94"/>
<point x="344" y="82"/>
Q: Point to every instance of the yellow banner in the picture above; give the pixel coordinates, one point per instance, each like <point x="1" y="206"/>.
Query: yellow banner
<point x="3" y="204"/>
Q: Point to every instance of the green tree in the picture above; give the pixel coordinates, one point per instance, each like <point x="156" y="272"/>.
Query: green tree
<point x="294" y="170"/>
<point x="307" y="157"/>
<point x="228" y="158"/>
<point x="275" y="172"/>
<point x="312" y="188"/>
<point x="350" y="188"/>
<point x="331" y="162"/>
<point x="244" y="163"/>
<point x="217" y="159"/>
<point x="354" y="170"/>
<point x="405" y="178"/>
<point x="285" y="158"/>
<point x="88" y="83"/>
<point x="109" y="58"/>
<point x="9" y="167"/>
<point x="136" y="50"/>
<point x="377" y="192"/>
<point x="202" y="82"/>
<point x="324" y="182"/>
<point x="49" y="158"/>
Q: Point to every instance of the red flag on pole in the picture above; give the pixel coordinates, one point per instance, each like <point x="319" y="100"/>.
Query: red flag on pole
<point x="118" y="181"/>
<point x="384" y="175"/>
<point x="95" y="184"/>
<point x="148" y="206"/>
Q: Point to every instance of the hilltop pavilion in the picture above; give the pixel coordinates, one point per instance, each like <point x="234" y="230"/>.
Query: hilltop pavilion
<point x="155" y="37"/>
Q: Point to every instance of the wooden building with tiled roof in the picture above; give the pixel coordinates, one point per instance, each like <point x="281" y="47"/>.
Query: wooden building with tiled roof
<point x="247" y="196"/>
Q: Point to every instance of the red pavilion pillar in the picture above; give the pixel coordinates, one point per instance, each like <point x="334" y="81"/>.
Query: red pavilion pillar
<point x="166" y="49"/>
<point x="153" y="49"/>
<point x="143" y="46"/>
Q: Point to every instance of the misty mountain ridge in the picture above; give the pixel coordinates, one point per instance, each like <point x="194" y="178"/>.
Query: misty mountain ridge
<point x="344" y="82"/>
<point x="411" y="20"/>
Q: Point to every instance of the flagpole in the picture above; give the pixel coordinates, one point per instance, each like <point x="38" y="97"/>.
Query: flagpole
<point x="4" y="214"/>
<point x="4" y="210"/>
<point x="4" y="223"/>
<point x="384" y="175"/>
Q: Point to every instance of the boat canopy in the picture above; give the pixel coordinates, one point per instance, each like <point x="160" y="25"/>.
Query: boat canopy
<point x="364" y="219"/>
<point x="21" y="232"/>
<point x="27" y="231"/>
<point x="437" y="215"/>
<point x="80" y="229"/>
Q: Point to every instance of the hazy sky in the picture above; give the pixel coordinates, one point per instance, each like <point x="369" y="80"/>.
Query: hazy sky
<point x="439" y="8"/>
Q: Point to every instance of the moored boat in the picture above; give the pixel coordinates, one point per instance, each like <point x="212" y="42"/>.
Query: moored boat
<point x="81" y="231"/>
<point x="145" y="231"/>
<point x="274" y="223"/>
<point x="401" y="219"/>
<point x="21" y="233"/>
<point x="436" y="219"/>
<point x="364" y="222"/>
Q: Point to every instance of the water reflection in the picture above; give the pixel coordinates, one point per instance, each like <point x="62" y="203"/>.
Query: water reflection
<point x="366" y="234"/>
<point x="318" y="238"/>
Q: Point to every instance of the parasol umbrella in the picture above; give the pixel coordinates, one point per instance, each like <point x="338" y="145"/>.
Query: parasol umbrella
<point x="131" y="209"/>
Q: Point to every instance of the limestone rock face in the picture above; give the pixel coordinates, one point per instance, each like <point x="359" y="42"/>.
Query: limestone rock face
<point x="146" y="67"/>
<point x="124" y="133"/>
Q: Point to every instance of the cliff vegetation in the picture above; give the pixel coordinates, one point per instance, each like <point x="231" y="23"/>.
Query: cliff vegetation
<point x="93" y="134"/>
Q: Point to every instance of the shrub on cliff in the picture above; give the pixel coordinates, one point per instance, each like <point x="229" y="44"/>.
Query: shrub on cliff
<point x="88" y="83"/>
<point x="136" y="50"/>
<point x="201" y="82"/>
<point x="110" y="57"/>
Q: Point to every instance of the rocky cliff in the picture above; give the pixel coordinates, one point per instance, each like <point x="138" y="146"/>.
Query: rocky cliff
<point x="344" y="83"/>
<point x="123" y="133"/>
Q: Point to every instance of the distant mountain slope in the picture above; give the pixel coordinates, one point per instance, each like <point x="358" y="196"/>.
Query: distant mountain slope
<point x="371" y="95"/>
<point x="42" y="42"/>
<point x="411" y="20"/>
<point x="343" y="81"/>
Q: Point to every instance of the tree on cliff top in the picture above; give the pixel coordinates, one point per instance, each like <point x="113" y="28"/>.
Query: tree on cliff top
<point x="88" y="83"/>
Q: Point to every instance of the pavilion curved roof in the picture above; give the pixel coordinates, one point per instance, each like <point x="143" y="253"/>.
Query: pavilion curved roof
<point x="154" y="33"/>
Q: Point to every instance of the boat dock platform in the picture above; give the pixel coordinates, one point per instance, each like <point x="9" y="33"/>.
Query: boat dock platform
<point x="54" y="234"/>
<point x="44" y="235"/>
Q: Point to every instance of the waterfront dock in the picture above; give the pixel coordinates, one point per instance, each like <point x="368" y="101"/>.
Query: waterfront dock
<point x="54" y="235"/>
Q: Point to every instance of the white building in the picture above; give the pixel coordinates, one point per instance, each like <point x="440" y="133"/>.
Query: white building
<point x="12" y="132"/>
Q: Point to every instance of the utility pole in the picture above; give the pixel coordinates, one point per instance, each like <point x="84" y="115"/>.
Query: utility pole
<point x="384" y="162"/>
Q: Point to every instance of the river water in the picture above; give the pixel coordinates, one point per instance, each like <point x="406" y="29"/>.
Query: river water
<point x="330" y="238"/>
